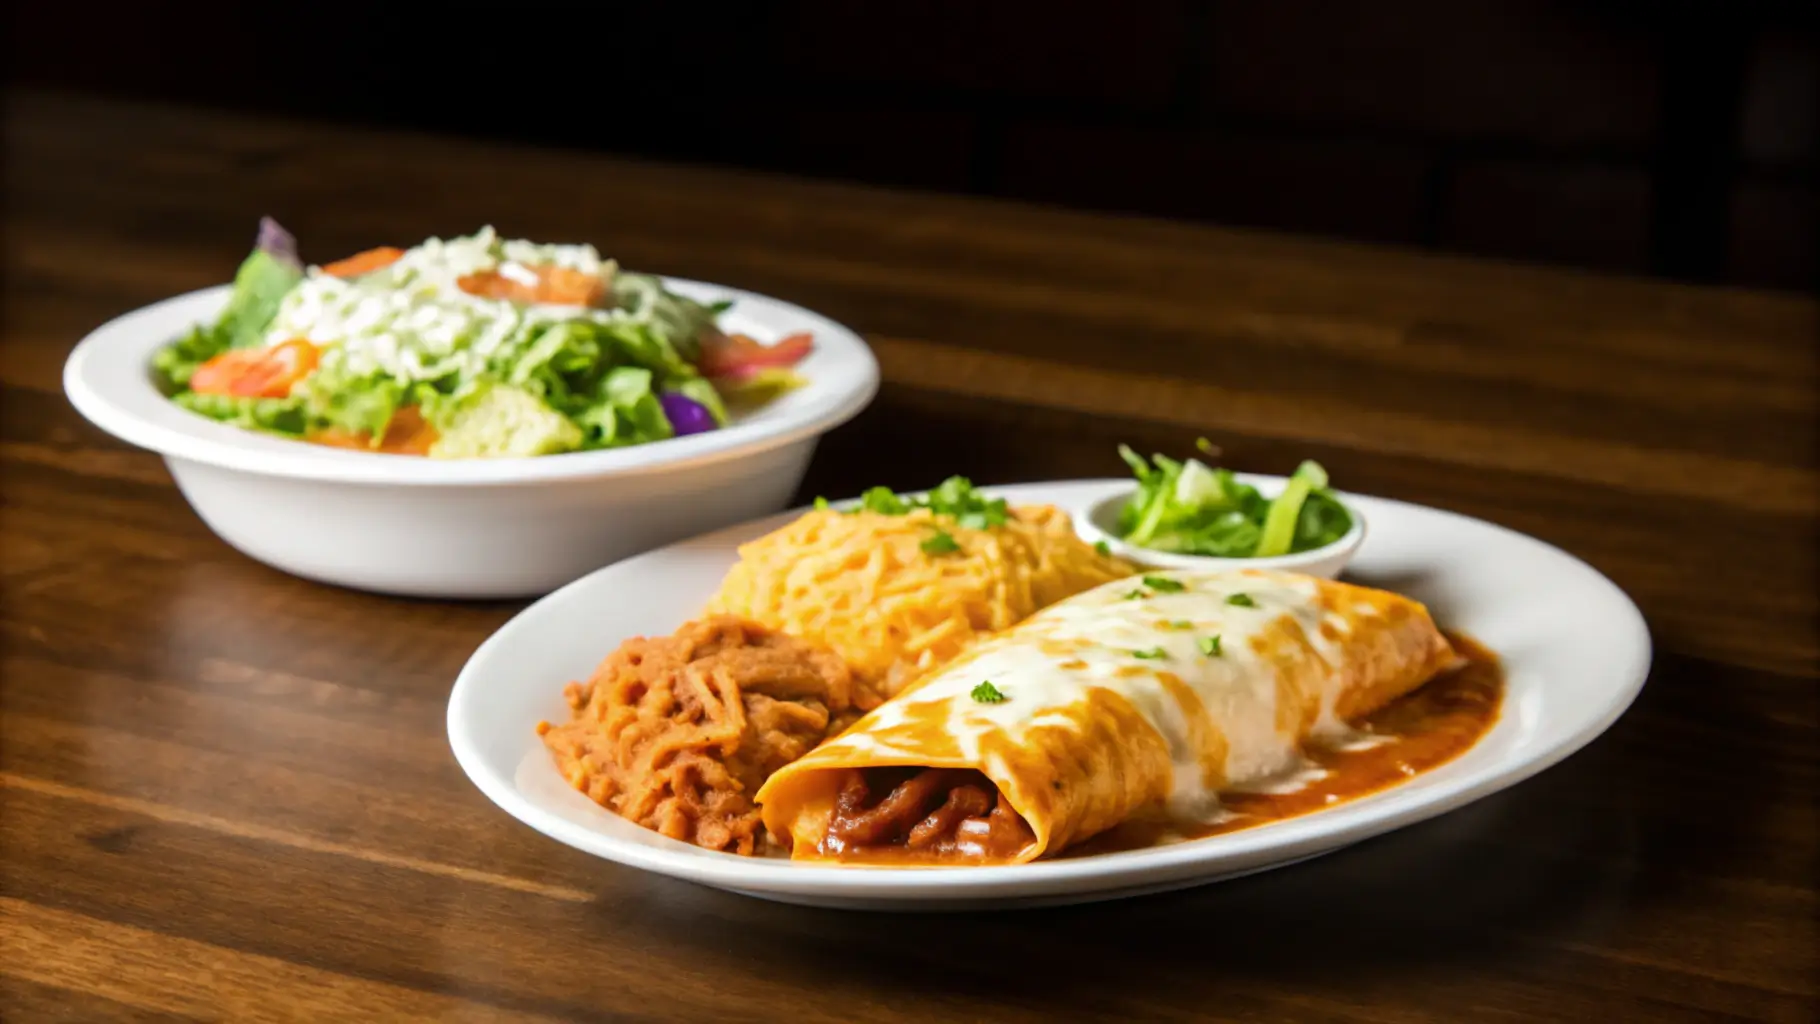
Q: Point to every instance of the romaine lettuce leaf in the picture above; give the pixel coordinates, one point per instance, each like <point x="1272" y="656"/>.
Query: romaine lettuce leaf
<point x="626" y="411"/>
<point x="259" y="286"/>
<point x="264" y="277"/>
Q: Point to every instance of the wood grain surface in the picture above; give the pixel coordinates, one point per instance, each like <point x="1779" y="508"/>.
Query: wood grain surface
<point x="226" y="794"/>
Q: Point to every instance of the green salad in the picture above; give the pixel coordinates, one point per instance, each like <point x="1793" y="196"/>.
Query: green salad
<point x="473" y="347"/>
<point x="1190" y="508"/>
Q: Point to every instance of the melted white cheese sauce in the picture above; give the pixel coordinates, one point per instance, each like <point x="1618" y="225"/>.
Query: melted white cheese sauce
<point x="1105" y="627"/>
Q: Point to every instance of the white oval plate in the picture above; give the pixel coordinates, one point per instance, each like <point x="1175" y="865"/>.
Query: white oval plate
<point x="1575" y="652"/>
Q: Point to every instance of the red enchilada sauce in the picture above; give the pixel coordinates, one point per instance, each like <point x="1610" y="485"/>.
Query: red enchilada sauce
<point x="946" y="816"/>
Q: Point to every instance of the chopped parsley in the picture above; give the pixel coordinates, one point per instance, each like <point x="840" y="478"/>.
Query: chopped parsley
<point x="954" y="498"/>
<point x="986" y="693"/>
<point x="821" y="504"/>
<point x="1241" y="601"/>
<point x="1164" y="585"/>
<point x="1152" y="654"/>
<point x="884" y="501"/>
<point x="941" y="542"/>
<point x="1103" y="548"/>
<point x="1136" y="595"/>
<point x="1210" y="645"/>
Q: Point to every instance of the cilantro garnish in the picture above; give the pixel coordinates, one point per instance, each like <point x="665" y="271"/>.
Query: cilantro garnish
<point x="955" y="499"/>
<point x="941" y="542"/>
<point x="884" y="501"/>
<point x="986" y="693"/>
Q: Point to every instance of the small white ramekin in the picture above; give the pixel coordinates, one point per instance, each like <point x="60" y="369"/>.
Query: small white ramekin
<point x="1099" y="521"/>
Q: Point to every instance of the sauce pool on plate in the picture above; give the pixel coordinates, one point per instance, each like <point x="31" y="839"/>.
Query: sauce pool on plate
<point x="1423" y="730"/>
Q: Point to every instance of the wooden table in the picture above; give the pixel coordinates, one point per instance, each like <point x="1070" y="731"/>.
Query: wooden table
<point x="228" y="795"/>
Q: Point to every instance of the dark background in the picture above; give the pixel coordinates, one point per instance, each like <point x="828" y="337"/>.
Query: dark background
<point x="1677" y="140"/>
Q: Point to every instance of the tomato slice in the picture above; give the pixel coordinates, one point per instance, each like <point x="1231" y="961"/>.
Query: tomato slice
<point x="557" y="286"/>
<point x="364" y="262"/>
<point x="337" y="437"/>
<point x="408" y="434"/>
<point x="257" y="372"/>
<point x="733" y="355"/>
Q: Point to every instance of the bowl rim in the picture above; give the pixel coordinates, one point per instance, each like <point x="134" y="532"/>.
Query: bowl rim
<point x="1344" y="548"/>
<point x="108" y="379"/>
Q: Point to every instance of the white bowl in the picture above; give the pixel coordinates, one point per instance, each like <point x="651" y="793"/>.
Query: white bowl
<point x="482" y="528"/>
<point x="1100" y="523"/>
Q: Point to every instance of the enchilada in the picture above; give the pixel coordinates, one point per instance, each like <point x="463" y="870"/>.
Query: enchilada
<point x="1150" y="695"/>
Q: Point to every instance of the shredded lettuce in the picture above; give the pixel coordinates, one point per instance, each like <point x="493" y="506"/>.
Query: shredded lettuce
<point x="676" y="318"/>
<point x="1194" y="509"/>
<point x="176" y="363"/>
<point x="283" y="416"/>
<point x="365" y="405"/>
<point x="607" y="379"/>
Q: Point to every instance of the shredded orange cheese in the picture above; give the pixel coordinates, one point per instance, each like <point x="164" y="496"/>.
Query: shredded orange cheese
<point x="862" y="585"/>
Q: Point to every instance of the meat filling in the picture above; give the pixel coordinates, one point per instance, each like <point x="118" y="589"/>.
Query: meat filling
<point x="939" y="814"/>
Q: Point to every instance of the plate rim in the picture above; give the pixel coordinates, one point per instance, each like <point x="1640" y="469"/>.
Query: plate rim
<point x="1343" y="825"/>
<point x="107" y="378"/>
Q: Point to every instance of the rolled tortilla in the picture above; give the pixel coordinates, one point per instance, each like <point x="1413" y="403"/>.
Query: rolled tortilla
<point x="1147" y="693"/>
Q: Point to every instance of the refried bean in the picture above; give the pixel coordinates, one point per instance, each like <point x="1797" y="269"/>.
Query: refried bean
<point x="677" y="733"/>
